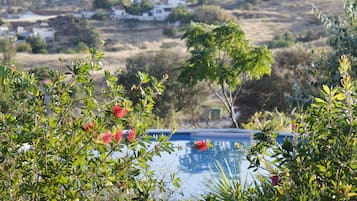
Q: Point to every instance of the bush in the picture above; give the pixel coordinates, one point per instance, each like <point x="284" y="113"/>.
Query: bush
<point x="181" y="14"/>
<point x="176" y="96"/>
<point x="23" y="47"/>
<point x="211" y="14"/>
<point x="38" y="45"/>
<point x="319" y="162"/>
<point x="65" y="139"/>
<point x="284" y="40"/>
<point x="170" y="31"/>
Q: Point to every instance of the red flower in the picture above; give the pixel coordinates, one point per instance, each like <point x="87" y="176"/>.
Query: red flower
<point x="275" y="180"/>
<point x="106" y="137"/>
<point x="89" y="125"/>
<point x="119" y="112"/>
<point x="201" y="145"/>
<point x="293" y="126"/>
<point x="118" y="135"/>
<point x="131" y="135"/>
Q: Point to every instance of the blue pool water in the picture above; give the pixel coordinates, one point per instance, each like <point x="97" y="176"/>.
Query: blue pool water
<point x="195" y="168"/>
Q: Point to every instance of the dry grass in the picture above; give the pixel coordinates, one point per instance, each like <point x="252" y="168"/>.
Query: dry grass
<point x="266" y="20"/>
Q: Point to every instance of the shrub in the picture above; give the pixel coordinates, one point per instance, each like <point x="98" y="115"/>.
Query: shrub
<point x="211" y="14"/>
<point x="176" y="97"/>
<point x="65" y="139"/>
<point x="181" y="14"/>
<point x="38" y="45"/>
<point x="284" y="40"/>
<point x="23" y="47"/>
<point x="319" y="163"/>
<point x="170" y="31"/>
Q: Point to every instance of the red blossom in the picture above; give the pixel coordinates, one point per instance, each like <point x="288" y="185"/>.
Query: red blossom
<point x="106" y="137"/>
<point x="293" y="126"/>
<point x="201" y="145"/>
<point x="119" y="112"/>
<point x="131" y="135"/>
<point x="275" y="180"/>
<point x="89" y="125"/>
<point x="118" y="135"/>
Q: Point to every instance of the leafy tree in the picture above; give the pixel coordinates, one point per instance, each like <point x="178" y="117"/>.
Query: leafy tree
<point x="221" y="55"/>
<point x="176" y="97"/>
<point x="38" y="45"/>
<point x="63" y="138"/>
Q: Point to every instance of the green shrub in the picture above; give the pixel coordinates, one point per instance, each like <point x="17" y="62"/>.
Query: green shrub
<point x="170" y="31"/>
<point x="63" y="138"/>
<point x="319" y="163"/>
<point x="211" y="14"/>
<point x="23" y="47"/>
<point x="284" y="40"/>
<point x="38" y="45"/>
<point x="181" y="14"/>
<point x="275" y="121"/>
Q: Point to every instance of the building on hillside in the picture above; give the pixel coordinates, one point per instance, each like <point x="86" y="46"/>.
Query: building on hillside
<point x="119" y="11"/>
<point x="159" y="12"/>
<point x="45" y="33"/>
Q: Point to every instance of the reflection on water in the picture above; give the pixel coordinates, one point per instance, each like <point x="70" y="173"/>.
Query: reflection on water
<point x="197" y="167"/>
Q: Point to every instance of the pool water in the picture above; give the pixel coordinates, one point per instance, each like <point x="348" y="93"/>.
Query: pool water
<point x="195" y="168"/>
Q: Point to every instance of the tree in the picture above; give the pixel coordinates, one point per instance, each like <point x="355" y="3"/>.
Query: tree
<point x="176" y="96"/>
<point x="38" y="45"/>
<point x="221" y="55"/>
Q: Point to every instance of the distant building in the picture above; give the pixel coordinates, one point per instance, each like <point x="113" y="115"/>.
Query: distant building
<point x="46" y="33"/>
<point x="159" y="12"/>
<point x="119" y="11"/>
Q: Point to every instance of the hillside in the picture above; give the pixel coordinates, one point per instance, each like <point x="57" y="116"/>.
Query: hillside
<point x="261" y="23"/>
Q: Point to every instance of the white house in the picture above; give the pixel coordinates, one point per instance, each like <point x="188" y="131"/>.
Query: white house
<point x="119" y="11"/>
<point x="161" y="12"/>
<point x="176" y="2"/>
<point x="46" y="33"/>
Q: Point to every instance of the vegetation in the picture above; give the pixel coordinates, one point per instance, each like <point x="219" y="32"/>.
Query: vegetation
<point x="342" y="40"/>
<point x="62" y="138"/>
<point x="284" y="40"/>
<point x="211" y="14"/>
<point x="176" y="97"/>
<point x="318" y="163"/>
<point x="181" y="14"/>
<point x="221" y="55"/>
<point x="38" y="45"/>
<point x="291" y="80"/>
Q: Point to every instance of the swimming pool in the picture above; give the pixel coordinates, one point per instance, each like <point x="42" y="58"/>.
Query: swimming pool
<point x="195" y="167"/>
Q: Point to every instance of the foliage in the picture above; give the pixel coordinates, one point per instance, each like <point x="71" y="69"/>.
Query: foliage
<point x="176" y="96"/>
<point x="342" y="39"/>
<point x="38" y="45"/>
<point x="104" y="4"/>
<point x="319" y="162"/>
<point x="211" y="14"/>
<point x="291" y="80"/>
<point x="181" y="14"/>
<point x="284" y="40"/>
<point x="7" y="47"/>
<point x="170" y="31"/>
<point x="139" y="8"/>
<point x="63" y="138"/>
<point x="23" y="47"/>
<point x="274" y="121"/>
<point x="221" y="55"/>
